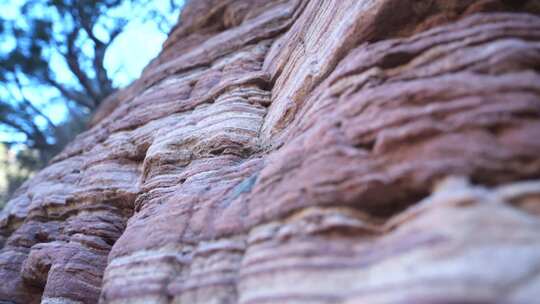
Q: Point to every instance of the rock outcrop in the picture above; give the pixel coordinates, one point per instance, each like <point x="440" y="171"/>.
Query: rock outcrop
<point x="340" y="151"/>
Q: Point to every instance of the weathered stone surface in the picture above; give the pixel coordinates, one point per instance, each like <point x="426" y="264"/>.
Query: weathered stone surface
<point x="341" y="151"/>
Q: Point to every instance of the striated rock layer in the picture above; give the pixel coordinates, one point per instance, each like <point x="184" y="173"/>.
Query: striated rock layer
<point x="330" y="151"/>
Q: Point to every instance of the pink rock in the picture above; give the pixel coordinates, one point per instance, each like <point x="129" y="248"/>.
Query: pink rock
<point x="344" y="151"/>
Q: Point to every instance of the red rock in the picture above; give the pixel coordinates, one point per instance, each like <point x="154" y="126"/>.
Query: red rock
<point x="301" y="152"/>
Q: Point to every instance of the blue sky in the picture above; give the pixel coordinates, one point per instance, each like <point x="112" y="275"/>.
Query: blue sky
<point x="131" y="51"/>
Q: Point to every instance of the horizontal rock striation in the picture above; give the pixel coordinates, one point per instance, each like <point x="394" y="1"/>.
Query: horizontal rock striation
<point x="341" y="151"/>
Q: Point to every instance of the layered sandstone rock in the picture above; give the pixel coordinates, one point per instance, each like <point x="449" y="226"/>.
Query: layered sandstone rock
<point x="340" y="151"/>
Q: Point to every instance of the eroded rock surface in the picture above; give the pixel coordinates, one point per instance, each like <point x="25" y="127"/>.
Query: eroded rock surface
<point x="340" y="151"/>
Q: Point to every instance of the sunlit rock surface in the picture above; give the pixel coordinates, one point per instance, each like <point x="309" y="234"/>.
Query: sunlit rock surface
<point x="340" y="151"/>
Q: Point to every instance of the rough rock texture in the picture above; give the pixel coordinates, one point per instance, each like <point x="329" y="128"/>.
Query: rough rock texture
<point x="330" y="151"/>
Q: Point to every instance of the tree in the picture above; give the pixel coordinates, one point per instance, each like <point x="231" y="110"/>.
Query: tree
<point x="53" y="55"/>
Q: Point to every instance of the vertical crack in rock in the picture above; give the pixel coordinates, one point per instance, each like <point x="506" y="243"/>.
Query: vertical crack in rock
<point x="301" y="151"/>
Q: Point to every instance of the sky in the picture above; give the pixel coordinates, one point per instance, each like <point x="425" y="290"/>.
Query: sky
<point x="125" y="59"/>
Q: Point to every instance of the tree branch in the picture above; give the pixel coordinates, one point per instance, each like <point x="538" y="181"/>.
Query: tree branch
<point x="28" y="103"/>
<point x="77" y="97"/>
<point x="73" y="63"/>
<point x="16" y="126"/>
<point x="104" y="81"/>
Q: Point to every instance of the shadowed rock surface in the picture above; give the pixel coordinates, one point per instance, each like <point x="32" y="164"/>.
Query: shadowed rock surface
<point x="340" y="151"/>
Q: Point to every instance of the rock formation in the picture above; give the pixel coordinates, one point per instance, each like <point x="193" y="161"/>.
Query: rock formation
<point x="295" y="151"/>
